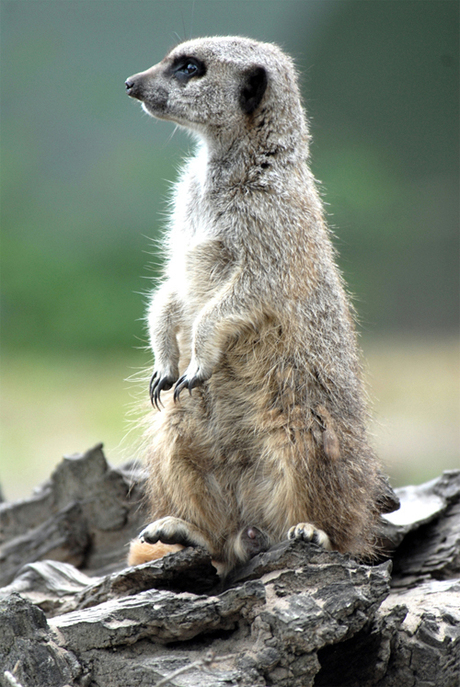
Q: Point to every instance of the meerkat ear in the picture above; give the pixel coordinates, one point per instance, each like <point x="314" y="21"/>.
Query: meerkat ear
<point x="254" y="86"/>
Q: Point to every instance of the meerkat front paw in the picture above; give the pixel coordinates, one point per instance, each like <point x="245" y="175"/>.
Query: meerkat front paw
<point x="193" y="376"/>
<point x="171" y="530"/>
<point x="309" y="533"/>
<point x="158" y="383"/>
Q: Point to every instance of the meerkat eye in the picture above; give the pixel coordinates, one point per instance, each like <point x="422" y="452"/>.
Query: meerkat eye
<point x="187" y="67"/>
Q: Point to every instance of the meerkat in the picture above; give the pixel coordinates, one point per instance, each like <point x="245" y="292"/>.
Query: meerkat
<point x="252" y="315"/>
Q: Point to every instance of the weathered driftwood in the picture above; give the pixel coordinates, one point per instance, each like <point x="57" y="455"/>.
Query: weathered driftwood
<point x="72" y="613"/>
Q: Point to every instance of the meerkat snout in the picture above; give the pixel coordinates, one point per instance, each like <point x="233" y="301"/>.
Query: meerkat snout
<point x="134" y="86"/>
<point x="129" y="84"/>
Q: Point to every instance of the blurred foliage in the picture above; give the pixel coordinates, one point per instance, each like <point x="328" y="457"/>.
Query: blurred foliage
<point x="386" y="140"/>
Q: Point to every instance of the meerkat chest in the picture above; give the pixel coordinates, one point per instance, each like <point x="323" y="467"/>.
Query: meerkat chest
<point x="201" y="260"/>
<point x="200" y="270"/>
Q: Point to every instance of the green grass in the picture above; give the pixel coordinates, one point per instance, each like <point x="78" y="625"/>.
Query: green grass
<point x="52" y="407"/>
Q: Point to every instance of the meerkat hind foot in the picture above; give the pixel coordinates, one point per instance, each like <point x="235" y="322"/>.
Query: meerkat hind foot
<point x="309" y="533"/>
<point x="168" y="535"/>
<point x="171" y="530"/>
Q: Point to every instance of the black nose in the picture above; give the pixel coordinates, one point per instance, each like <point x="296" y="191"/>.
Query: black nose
<point x="129" y="83"/>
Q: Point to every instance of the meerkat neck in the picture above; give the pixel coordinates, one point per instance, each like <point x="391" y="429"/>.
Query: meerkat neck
<point x="255" y="155"/>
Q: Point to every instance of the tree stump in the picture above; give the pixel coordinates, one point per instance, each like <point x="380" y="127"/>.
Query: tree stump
<point x="73" y="614"/>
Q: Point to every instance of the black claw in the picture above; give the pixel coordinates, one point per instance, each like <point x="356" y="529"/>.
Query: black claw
<point x="157" y="385"/>
<point x="156" y="397"/>
<point x="152" y="385"/>
<point x="148" y="540"/>
<point x="183" y="383"/>
<point x="195" y="381"/>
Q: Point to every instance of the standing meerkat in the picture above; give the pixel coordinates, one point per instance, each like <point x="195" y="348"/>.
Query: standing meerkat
<point x="253" y="316"/>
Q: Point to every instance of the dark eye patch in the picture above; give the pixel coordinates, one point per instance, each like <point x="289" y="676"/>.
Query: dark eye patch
<point x="185" y="68"/>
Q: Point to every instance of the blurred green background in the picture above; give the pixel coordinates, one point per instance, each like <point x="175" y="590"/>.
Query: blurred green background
<point x="84" y="181"/>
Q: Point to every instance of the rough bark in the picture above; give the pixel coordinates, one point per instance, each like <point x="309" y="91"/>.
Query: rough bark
<point x="72" y="613"/>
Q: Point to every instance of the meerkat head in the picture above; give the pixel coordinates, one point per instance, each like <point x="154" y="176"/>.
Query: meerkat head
<point x="221" y="87"/>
